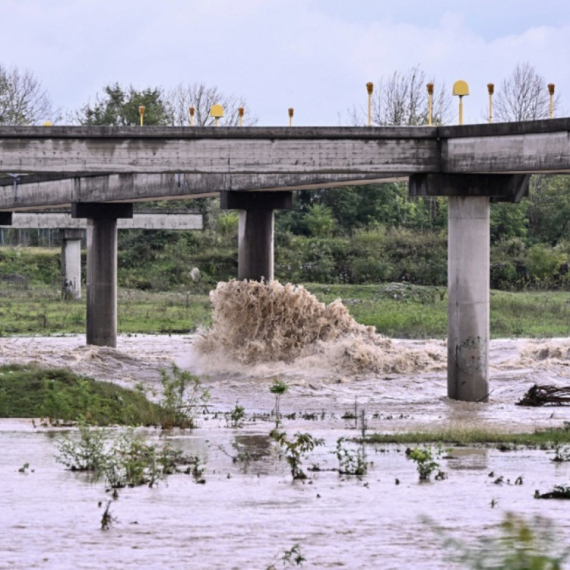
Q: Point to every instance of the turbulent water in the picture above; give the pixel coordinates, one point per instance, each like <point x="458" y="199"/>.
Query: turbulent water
<point x="248" y="514"/>
<point x="256" y="322"/>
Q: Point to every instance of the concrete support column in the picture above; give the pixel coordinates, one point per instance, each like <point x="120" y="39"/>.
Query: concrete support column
<point x="71" y="263"/>
<point x="256" y="228"/>
<point x="468" y="304"/>
<point x="102" y="282"/>
<point x="255" y="245"/>
<point x="102" y="268"/>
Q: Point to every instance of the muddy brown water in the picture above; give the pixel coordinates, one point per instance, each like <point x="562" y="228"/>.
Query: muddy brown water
<point x="49" y="517"/>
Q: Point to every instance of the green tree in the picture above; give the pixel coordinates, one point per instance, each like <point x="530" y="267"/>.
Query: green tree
<point x="549" y="209"/>
<point x="119" y="106"/>
<point x="509" y="221"/>
<point x="320" y="220"/>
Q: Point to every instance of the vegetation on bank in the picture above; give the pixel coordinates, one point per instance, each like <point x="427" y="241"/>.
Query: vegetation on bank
<point x="60" y="396"/>
<point x="394" y="309"/>
<point x="476" y="437"/>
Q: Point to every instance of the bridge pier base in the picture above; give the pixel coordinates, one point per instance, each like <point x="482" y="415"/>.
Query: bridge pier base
<point x="102" y="268"/>
<point x="468" y="271"/>
<point x="71" y="262"/>
<point x="468" y="298"/>
<point x="256" y="229"/>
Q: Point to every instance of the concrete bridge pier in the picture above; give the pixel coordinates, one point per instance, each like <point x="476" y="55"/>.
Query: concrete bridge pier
<point x="102" y="268"/>
<point x="71" y="262"/>
<point x="468" y="271"/>
<point x="256" y="230"/>
<point x="468" y="298"/>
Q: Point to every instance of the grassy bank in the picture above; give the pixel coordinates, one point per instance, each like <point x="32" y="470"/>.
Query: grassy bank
<point x="395" y="309"/>
<point x="476" y="436"/>
<point x="61" y="396"/>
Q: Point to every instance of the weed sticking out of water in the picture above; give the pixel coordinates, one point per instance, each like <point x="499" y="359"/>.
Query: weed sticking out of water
<point x="278" y="388"/>
<point x="197" y="471"/>
<point x="107" y="519"/>
<point x="425" y="460"/>
<point x="517" y="544"/>
<point x="350" y="461"/>
<point x="292" y="557"/>
<point x="123" y="460"/>
<point x="235" y="417"/>
<point x="24" y="469"/>
<point x="87" y="453"/>
<point x="183" y="397"/>
<point x="561" y="453"/>
<point x="296" y="449"/>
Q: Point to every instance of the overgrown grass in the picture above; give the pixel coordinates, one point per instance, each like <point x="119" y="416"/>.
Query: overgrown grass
<point x="396" y="310"/>
<point x="474" y="437"/>
<point x="411" y="311"/>
<point x="61" y="396"/>
<point x="41" y="310"/>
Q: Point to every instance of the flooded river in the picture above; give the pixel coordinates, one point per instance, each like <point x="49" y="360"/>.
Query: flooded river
<point x="248" y="514"/>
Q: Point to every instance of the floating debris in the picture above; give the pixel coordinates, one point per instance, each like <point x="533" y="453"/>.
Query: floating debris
<point x="546" y="396"/>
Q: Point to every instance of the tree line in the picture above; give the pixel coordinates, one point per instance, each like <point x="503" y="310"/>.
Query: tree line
<point x="530" y="240"/>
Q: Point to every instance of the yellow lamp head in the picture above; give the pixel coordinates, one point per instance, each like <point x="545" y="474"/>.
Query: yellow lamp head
<point x="370" y="88"/>
<point x="241" y="111"/>
<point x="48" y="124"/>
<point x="490" y="88"/>
<point x="460" y="88"/>
<point x="142" y="109"/>
<point x="551" y="88"/>
<point x="430" y="88"/>
<point x="216" y="111"/>
<point x="291" y="112"/>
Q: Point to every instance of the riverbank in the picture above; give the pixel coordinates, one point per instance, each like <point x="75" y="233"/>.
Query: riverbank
<point x="394" y="309"/>
<point x="394" y="402"/>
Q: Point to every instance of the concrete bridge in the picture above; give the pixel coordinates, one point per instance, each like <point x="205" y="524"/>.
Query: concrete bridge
<point x="100" y="171"/>
<point x="72" y="231"/>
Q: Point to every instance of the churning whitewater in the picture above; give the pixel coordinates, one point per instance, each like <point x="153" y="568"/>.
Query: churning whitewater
<point x="257" y="323"/>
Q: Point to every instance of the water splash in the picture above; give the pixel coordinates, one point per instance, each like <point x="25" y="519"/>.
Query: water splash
<point x="257" y="322"/>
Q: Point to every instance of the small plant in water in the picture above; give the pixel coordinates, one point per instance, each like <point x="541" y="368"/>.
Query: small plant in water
<point x="519" y="545"/>
<point x="278" y="388"/>
<point x="295" y="449"/>
<point x="183" y="396"/>
<point x="124" y="461"/>
<point x="292" y="557"/>
<point x="107" y="519"/>
<point x="425" y="462"/>
<point x="24" y="468"/>
<point x="561" y="453"/>
<point x="235" y="417"/>
<point x="350" y="462"/>
<point x="84" y="454"/>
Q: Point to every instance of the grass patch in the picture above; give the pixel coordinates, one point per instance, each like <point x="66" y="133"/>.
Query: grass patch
<point x="411" y="311"/>
<point x="61" y="396"/>
<point x="41" y="310"/>
<point x="396" y="310"/>
<point x="476" y="437"/>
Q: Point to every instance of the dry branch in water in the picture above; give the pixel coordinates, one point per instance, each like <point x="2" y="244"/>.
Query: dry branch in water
<point x="545" y="396"/>
<point x="267" y="322"/>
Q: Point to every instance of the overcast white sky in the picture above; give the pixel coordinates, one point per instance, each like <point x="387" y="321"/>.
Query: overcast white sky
<point x="313" y="55"/>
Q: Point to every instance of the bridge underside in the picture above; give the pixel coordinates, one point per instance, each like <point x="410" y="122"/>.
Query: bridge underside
<point x="100" y="171"/>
